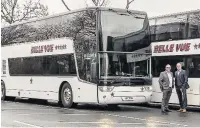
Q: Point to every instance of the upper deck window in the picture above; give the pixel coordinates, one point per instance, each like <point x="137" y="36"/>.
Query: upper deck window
<point x="176" y="27"/>
<point x="124" y="31"/>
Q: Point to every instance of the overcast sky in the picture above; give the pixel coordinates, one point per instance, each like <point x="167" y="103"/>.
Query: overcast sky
<point x="152" y="7"/>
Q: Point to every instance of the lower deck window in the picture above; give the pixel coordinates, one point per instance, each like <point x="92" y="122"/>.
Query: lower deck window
<point x="190" y="63"/>
<point x="43" y="65"/>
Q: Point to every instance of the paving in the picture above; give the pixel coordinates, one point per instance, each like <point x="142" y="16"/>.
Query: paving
<point x="23" y="113"/>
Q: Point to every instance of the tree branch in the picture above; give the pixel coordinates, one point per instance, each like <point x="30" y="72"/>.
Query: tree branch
<point x="13" y="9"/>
<point x="128" y="3"/>
<point x="103" y="2"/>
<point x="95" y="2"/>
<point x="5" y="16"/>
<point x="66" y="5"/>
<point x="99" y="2"/>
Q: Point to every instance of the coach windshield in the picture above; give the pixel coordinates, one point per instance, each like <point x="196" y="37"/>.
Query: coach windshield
<point x="124" y="33"/>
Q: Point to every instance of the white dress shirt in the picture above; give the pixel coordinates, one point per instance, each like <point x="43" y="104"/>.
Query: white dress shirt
<point x="179" y="71"/>
<point x="170" y="79"/>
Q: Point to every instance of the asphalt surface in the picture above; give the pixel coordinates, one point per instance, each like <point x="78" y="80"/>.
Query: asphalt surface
<point x="23" y="113"/>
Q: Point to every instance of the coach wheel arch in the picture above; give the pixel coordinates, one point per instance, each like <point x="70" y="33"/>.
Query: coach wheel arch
<point x="65" y="87"/>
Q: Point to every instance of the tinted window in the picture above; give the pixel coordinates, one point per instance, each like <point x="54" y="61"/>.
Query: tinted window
<point x="85" y="43"/>
<point x="15" y="66"/>
<point x="159" y="63"/>
<point x="194" y="66"/>
<point x="170" y="28"/>
<point x="194" y="25"/>
<point x="176" y="27"/>
<point x="42" y="65"/>
<point x="123" y="31"/>
<point x="190" y="63"/>
<point x="172" y="31"/>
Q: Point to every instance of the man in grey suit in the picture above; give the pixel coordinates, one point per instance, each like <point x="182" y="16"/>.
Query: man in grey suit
<point x="166" y="82"/>
<point x="181" y="84"/>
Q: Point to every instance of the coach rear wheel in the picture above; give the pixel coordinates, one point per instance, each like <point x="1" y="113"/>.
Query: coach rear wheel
<point x="67" y="96"/>
<point x="3" y="91"/>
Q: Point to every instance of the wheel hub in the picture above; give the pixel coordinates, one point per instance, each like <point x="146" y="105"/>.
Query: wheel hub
<point x="67" y="95"/>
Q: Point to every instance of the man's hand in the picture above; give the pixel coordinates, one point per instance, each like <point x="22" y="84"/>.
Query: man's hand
<point x="161" y="88"/>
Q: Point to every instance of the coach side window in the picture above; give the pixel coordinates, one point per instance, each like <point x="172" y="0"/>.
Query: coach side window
<point x="50" y="66"/>
<point x="158" y="64"/>
<point x="37" y="65"/>
<point x="42" y="65"/>
<point x="66" y="64"/>
<point x="194" y="67"/>
<point x="194" y="25"/>
<point x="59" y="65"/>
<point x="15" y="66"/>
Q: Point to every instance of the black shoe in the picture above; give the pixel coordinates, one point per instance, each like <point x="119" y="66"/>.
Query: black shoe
<point x="167" y="110"/>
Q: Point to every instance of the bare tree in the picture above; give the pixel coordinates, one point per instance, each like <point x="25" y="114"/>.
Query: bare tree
<point x="13" y="11"/>
<point x="128" y="3"/>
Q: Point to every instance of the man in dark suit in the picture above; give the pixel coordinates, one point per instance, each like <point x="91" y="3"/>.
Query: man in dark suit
<point x="166" y="82"/>
<point x="181" y="84"/>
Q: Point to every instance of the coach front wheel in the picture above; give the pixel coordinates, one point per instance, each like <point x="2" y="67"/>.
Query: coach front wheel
<point x="67" y="96"/>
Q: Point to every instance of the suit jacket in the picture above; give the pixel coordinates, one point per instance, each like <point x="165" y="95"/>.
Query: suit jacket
<point x="183" y="79"/>
<point x="164" y="80"/>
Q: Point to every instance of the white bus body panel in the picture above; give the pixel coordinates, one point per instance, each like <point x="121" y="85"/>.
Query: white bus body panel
<point x="124" y="95"/>
<point x="47" y="87"/>
<point x="192" y="47"/>
<point x="26" y="49"/>
<point x="193" y="93"/>
<point x="44" y="87"/>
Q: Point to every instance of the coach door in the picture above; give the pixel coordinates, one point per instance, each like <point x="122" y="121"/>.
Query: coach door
<point x="193" y="69"/>
<point x="88" y="82"/>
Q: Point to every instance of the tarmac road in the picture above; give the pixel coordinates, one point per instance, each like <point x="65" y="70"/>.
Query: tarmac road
<point x="32" y="114"/>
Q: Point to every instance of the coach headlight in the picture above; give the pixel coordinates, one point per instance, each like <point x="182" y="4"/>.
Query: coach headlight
<point x="106" y="88"/>
<point x="146" y="88"/>
<point x="149" y="88"/>
<point x="142" y="89"/>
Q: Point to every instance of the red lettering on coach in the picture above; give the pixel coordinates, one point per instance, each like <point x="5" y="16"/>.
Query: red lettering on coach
<point x="41" y="49"/>
<point x="170" y="48"/>
<point x="183" y="47"/>
<point x="163" y="48"/>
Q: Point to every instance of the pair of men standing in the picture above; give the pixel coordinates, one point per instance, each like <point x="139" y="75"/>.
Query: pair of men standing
<point x="167" y="83"/>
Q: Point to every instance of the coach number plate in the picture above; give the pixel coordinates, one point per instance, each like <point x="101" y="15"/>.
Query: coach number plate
<point x="127" y="98"/>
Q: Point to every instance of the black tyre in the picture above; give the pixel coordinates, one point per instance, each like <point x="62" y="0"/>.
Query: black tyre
<point x="67" y="96"/>
<point x="113" y="107"/>
<point x="3" y="91"/>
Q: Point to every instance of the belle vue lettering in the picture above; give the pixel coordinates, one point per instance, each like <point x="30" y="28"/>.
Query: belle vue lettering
<point x="172" y="47"/>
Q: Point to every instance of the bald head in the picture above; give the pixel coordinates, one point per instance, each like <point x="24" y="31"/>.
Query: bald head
<point x="167" y="68"/>
<point x="178" y="66"/>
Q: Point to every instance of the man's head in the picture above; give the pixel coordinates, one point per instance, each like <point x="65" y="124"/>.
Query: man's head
<point x="168" y="68"/>
<point x="178" y="66"/>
